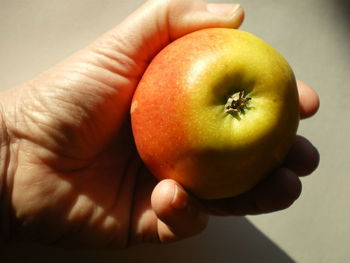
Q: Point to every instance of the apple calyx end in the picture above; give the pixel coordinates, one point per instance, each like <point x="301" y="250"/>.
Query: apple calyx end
<point x="237" y="103"/>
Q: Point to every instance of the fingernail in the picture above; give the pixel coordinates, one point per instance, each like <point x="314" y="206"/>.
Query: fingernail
<point x="223" y="9"/>
<point x="179" y="199"/>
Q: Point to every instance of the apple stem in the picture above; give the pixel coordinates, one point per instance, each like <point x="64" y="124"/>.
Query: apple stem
<point x="237" y="103"/>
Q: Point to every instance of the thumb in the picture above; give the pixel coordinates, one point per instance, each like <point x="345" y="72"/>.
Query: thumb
<point x="135" y="41"/>
<point x="124" y="52"/>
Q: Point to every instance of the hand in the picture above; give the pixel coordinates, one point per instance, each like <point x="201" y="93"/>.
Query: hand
<point x="70" y="172"/>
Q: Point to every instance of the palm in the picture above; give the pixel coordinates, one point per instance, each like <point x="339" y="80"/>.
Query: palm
<point x="82" y="160"/>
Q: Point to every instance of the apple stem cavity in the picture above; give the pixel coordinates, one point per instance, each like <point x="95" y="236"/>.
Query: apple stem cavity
<point x="237" y="103"/>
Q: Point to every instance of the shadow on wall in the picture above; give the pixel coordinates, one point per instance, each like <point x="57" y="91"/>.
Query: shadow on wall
<point x="225" y="240"/>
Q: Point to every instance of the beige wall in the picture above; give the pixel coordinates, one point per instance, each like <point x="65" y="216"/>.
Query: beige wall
<point x="314" y="36"/>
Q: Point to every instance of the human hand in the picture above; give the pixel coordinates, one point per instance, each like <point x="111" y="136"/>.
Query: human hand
<point x="70" y="171"/>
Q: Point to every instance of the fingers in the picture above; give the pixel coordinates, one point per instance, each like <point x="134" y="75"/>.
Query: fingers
<point x="279" y="190"/>
<point x="179" y="214"/>
<point x="309" y="100"/>
<point x="276" y="192"/>
<point x="303" y="158"/>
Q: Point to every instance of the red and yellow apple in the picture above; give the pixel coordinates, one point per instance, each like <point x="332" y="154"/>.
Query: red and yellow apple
<point x="216" y="110"/>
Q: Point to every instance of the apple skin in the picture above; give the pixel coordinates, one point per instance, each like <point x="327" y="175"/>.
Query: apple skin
<point x="179" y="123"/>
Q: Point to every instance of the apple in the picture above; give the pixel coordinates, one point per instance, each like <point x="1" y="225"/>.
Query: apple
<point x="216" y="110"/>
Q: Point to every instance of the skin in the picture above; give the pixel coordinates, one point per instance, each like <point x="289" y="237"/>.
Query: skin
<point x="70" y="173"/>
<point x="181" y="128"/>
